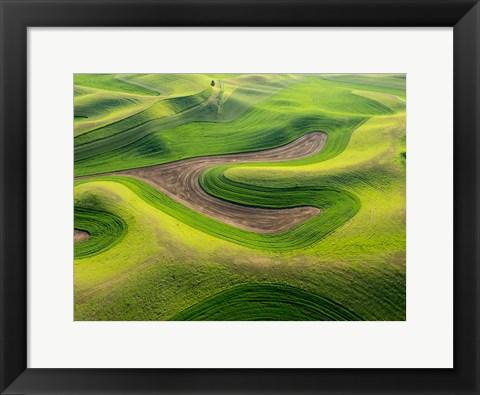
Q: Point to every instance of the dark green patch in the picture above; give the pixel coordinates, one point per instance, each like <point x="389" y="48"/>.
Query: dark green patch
<point x="266" y="302"/>
<point x="105" y="229"/>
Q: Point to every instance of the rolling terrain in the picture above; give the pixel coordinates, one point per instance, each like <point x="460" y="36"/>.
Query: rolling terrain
<point x="239" y="197"/>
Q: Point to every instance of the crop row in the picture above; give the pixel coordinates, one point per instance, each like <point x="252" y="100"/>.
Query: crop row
<point x="337" y="207"/>
<point x="266" y="302"/>
<point x="105" y="230"/>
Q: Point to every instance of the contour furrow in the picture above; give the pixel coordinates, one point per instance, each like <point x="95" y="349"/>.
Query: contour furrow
<point x="180" y="181"/>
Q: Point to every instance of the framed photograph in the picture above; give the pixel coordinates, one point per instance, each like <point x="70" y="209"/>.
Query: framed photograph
<point x="239" y="197"/>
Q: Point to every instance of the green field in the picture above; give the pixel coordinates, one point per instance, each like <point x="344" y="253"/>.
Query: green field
<point x="240" y="197"/>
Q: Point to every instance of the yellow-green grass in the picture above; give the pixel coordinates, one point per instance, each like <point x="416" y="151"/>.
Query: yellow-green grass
<point x="259" y="131"/>
<point x="337" y="206"/>
<point x="173" y="261"/>
<point x="138" y="245"/>
<point x="395" y="103"/>
<point x="162" y="266"/>
<point x="104" y="229"/>
<point x="387" y="83"/>
<point x="131" y="128"/>
<point x="109" y="82"/>
<point x="171" y="85"/>
<point x="370" y="168"/>
<point x="145" y="130"/>
<point x="298" y="106"/>
<point x="96" y="108"/>
<point x="157" y="108"/>
<point x="99" y="102"/>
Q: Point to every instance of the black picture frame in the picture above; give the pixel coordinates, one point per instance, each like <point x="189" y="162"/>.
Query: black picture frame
<point x="18" y="15"/>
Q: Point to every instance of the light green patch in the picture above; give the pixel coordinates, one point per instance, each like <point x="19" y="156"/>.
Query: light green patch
<point x="109" y="82"/>
<point x="100" y="108"/>
<point x="395" y="103"/>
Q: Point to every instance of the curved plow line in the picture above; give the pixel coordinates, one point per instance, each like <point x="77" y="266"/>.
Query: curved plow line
<point x="266" y="302"/>
<point x="337" y="207"/>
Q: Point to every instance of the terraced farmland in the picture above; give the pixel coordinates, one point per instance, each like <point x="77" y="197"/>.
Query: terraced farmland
<point x="240" y="197"/>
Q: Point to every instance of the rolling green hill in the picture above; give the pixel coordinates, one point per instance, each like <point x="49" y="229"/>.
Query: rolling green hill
<point x="152" y="255"/>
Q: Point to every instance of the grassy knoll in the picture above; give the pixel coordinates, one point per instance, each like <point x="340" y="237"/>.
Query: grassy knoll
<point x="115" y="146"/>
<point x="370" y="168"/>
<point x="178" y="266"/>
<point x="265" y="302"/>
<point x="258" y="117"/>
<point x="109" y="82"/>
<point x="171" y="85"/>
<point x="387" y="83"/>
<point x="97" y="108"/>
<point x="105" y="231"/>
<point x="257" y="132"/>
<point x="103" y="100"/>
<point x="150" y="257"/>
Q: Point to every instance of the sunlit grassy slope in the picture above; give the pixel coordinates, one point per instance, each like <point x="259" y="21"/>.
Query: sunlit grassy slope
<point x="151" y="258"/>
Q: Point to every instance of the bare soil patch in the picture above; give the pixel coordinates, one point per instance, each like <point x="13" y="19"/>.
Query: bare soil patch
<point x="80" y="235"/>
<point x="180" y="181"/>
